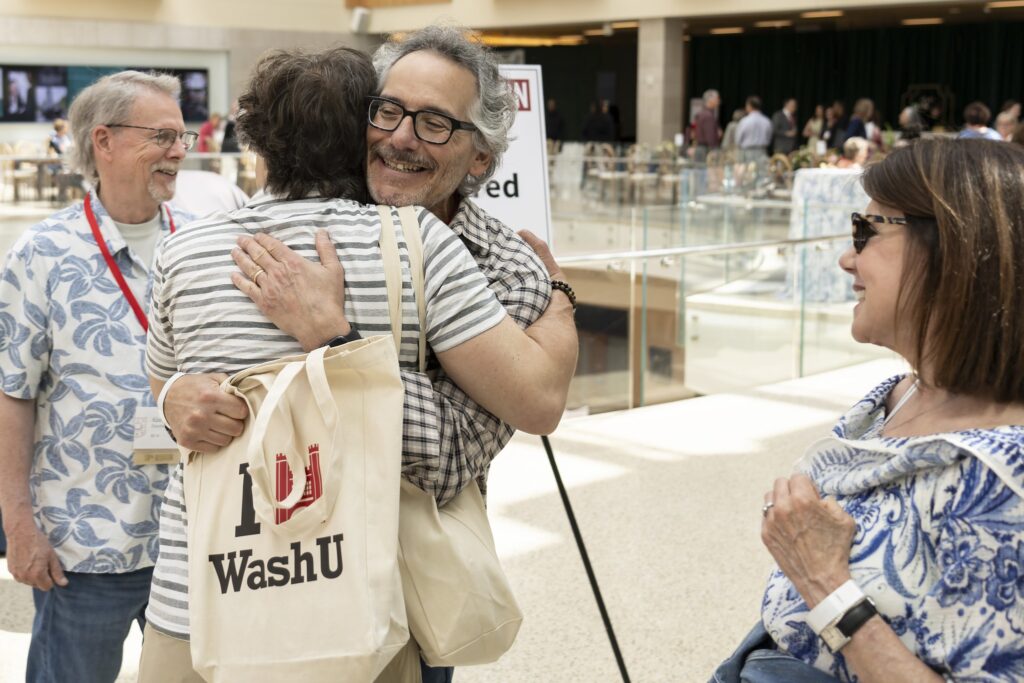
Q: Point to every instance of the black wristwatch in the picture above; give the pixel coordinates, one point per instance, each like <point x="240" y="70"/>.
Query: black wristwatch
<point x="353" y="334"/>
<point x="838" y="635"/>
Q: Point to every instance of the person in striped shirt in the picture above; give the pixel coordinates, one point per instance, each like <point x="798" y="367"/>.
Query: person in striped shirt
<point x="449" y="437"/>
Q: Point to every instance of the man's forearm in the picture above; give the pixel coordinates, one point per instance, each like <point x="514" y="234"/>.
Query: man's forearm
<point x="555" y="333"/>
<point x="17" y="424"/>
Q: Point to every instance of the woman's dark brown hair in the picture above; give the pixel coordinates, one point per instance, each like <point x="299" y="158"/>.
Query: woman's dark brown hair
<point x="305" y="114"/>
<point x="962" y="287"/>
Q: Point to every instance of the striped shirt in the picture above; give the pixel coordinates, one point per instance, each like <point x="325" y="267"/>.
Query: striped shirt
<point x="199" y="322"/>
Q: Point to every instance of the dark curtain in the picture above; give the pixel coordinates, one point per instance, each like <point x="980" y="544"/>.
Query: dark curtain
<point x="571" y="75"/>
<point x="977" y="61"/>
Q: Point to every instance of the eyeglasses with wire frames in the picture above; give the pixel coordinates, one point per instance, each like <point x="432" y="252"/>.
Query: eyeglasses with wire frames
<point x="165" y="137"/>
<point x="429" y="126"/>
<point x="864" y="229"/>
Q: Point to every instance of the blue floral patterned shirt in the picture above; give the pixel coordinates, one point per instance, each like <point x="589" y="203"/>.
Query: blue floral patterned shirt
<point x="939" y="544"/>
<point x="70" y="342"/>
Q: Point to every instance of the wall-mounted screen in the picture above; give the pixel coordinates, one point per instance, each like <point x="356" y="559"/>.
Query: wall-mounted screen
<point x="44" y="93"/>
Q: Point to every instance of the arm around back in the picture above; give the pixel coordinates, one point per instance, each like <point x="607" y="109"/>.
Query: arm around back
<point x="520" y="376"/>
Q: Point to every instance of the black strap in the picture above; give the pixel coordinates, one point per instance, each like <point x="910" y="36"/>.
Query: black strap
<point x="857" y="616"/>
<point x="586" y="561"/>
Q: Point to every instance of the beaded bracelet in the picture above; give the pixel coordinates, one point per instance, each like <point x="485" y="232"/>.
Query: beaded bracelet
<point x="566" y="289"/>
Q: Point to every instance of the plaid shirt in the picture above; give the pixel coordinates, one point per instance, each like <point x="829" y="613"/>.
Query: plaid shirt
<point x="449" y="440"/>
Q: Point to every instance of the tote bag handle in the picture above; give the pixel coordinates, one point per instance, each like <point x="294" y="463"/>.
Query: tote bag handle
<point x="260" y="467"/>
<point x="410" y="225"/>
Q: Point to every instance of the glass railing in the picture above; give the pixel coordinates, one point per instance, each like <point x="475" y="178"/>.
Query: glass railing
<point x="723" y="285"/>
<point x="710" y="298"/>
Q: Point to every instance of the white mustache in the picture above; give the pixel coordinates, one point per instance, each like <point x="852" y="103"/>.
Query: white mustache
<point x="395" y="156"/>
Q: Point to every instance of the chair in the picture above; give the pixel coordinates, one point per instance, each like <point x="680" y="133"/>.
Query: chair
<point x="609" y="173"/>
<point x="779" y="166"/>
<point x="18" y="173"/>
<point x="642" y="170"/>
<point x="591" y="166"/>
<point x="670" y="173"/>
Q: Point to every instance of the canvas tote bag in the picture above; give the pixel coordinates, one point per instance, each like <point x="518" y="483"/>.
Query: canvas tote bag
<point x="293" y="528"/>
<point x="459" y="603"/>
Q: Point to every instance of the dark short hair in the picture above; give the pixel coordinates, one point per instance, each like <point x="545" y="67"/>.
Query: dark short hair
<point x="305" y="114"/>
<point x="754" y="102"/>
<point x="962" y="286"/>
<point x="977" y="114"/>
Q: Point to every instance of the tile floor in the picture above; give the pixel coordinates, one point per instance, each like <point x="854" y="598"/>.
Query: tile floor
<point x="668" y="501"/>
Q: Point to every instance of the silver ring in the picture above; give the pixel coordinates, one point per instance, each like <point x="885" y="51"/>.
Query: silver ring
<point x="766" y="507"/>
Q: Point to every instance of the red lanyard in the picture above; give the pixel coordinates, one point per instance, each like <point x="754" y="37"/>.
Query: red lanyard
<point x="140" y="314"/>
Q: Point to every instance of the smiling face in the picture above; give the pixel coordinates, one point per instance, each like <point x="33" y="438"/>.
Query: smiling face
<point x="877" y="272"/>
<point x="131" y="164"/>
<point x="401" y="169"/>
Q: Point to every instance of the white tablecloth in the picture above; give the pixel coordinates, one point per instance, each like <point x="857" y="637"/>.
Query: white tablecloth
<point x="823" y="199"/>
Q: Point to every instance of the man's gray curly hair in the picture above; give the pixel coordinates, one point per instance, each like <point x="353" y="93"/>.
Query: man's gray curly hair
<point x="109" y="100"/>
<point x="495" y="107"/>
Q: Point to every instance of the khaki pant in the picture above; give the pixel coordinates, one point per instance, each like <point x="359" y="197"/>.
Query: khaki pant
<point x="165" y="659"/>
<point x="169" y="660"/>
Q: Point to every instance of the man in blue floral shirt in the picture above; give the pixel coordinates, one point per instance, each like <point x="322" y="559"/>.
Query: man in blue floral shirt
<point x="79" y="512"/>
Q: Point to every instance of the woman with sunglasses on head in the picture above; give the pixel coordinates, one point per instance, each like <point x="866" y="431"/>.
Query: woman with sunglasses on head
<point x="900" y="540"/>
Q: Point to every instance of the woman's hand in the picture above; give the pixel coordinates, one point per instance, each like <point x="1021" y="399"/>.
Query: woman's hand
<point x="809" y="538"/>
<point x="303" y="299"/>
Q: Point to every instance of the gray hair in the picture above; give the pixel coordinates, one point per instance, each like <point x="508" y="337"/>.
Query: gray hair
<point x="495" y="107"/>
<point x="710" y="95"/>
<point x="109" y="100"/>
<point x="854" y="146"/>
<point x="913" y="115"/>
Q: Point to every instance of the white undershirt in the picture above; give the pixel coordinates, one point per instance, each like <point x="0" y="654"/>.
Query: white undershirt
<point x="142" y="237"/>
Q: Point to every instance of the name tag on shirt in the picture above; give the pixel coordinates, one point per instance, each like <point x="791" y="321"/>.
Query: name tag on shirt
<point x="153" y="445"/>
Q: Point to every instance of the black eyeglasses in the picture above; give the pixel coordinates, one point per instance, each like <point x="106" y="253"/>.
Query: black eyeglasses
<point x="864" y="229"/>
<point x="429" y="126"/>
<point x="165" y="137"/>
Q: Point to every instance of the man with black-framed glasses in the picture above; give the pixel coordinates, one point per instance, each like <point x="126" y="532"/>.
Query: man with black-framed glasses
<point x="435" y="132"/>
<point x="80" y="508"/>
<point x="429" y="126"/>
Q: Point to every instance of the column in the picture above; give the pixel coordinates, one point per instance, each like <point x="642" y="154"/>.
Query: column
<point x="659" y="83"/>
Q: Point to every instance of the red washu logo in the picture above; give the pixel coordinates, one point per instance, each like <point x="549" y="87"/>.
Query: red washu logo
<point x="314" y="484"/>
<point x="521" y="88"/>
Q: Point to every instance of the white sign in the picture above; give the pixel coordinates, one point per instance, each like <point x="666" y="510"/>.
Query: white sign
<point x="517" y="193"/>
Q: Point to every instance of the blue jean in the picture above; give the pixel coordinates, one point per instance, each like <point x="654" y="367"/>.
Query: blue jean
<point x="78" y="632"/>
<point x="758" y="660"/>
<point x="3" y="538"/>
<point x="441" y="674"/>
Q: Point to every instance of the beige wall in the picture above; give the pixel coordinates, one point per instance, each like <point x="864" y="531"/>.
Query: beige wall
<point x="280" y="15"/>
<point x="331" y="15"/>
<point x="484" y="14"/>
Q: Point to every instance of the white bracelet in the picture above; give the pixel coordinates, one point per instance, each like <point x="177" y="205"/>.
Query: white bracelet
<point x="835" y="605"/>
<point x="163" y="395"/>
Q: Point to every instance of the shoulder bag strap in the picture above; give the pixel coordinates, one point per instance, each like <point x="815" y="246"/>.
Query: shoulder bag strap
<point x="410" y="224"/>
<point x="392" y="273"/>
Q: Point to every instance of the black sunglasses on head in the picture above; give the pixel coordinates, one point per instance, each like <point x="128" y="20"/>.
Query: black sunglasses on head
<point x="864" y="229"/>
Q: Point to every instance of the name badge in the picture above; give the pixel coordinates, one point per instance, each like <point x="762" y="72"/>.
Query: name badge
<point x="153" y="445"/>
